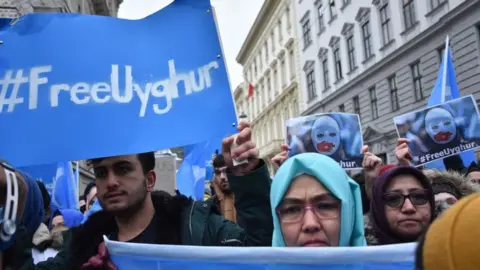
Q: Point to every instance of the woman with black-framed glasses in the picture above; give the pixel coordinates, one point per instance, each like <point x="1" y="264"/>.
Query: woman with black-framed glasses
<point x="315" y="204"/>
<point x="402" y="206"/>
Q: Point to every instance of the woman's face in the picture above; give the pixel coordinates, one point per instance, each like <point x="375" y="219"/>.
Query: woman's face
<point x="407" y="217"/>
<point x="309" y="214"/>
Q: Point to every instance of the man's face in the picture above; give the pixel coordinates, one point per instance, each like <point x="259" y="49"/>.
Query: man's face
<point x="122" y="186"/>
<point x="220" y="178"/>
<point x="91" y="197"/>
<point x="57" y="220"/>
<point x="475" y="177"/>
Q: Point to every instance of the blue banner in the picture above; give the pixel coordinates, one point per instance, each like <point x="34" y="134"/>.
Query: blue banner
<point x="60" y="182"/>
<point x="446" y="89"/>
<point x="136" y="85"/>
<point x="164" y="257"/>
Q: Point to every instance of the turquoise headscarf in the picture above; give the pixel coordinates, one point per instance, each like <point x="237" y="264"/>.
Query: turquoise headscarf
<point x="333" y="178"/>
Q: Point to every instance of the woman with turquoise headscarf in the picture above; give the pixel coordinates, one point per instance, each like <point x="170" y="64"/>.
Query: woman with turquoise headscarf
<point x="315" y="203"/>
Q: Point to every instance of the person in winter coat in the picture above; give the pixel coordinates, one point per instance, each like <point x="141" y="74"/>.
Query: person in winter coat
<point x="314" y="203"/>
<point x="449" y="187"/>
<point x="451" y="242"/>
<point x="224" y="197"/>
<point x="402" y="207"/>
<point x="131" y="213"/>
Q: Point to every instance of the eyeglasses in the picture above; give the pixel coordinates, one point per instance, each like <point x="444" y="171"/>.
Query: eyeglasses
<point x="416" y="197"/>
<point x="292" y="213"/>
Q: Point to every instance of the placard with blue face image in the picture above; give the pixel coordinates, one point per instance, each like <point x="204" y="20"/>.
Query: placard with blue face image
<point x="337" y="135"/>
<point x="441" y="131"/>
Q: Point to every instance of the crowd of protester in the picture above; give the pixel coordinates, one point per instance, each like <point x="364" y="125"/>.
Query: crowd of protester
<point x="310" y="202"/>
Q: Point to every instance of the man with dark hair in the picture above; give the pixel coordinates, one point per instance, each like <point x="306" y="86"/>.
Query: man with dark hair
<point x="223" y="198"/>
<point x="82" y="204"/>
<point x="47" y="214"/>
<point x="473" y="173"/>
<point x="132" y="212"/>
<point x="90" y="193"/>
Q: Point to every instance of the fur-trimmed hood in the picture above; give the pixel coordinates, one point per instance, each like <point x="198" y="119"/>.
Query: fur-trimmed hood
<point x="460" y="183"/>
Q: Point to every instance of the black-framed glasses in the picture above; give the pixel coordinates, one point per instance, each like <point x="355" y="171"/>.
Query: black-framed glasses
<point x="294" y="212"/>
<point x="397" y="199"/>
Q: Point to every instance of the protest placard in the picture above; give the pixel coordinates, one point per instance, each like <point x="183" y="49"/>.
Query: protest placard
<point x="165" y="257"/>
<point x="441" y="131"/>
<point x="337" y="135"/>
<point x="75" y="86"/>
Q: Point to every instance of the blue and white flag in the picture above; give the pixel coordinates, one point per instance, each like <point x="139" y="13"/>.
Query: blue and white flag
<point x="164" y="257"/>
<point x="64" y="194"/>
<point x="138" y="85"/>
<point x="60" y="182"/>
<point x="192" y="173"/>
<point x="446" y="89"/>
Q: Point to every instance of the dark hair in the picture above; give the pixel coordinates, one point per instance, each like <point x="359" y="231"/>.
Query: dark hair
<point x="45" y="196"/>
<point x="88" y="188"/>
<point x="56" y="213"/>
<point x="219" y="161"/>
<point x="147" y="160"/>
<point x="82" y="198"/>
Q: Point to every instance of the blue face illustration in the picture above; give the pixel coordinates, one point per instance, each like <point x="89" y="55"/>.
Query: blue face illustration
<point x="326" y="135"/>
<point x="440" y="125"/>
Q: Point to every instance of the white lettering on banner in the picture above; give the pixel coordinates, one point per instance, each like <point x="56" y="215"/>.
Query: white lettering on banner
<point x="348" y="164"/>
<point x="447" y="152"/>
<point x="82" y="93"/>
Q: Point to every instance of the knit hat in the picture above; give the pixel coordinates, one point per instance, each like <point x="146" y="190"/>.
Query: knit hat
<point x="451" y="242"/>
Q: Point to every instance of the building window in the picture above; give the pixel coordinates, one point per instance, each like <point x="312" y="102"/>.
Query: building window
<point x="373" y="101"/>
<point x="326" y="79"/>
<point x="435" y="4"/>
<point x="275" y="77"/>
<point x="255" y="69"/>
<point x="441" y="53"/>
<point x="266" y="52"/>
<point x="356" y="105"/>
<point x="292" y="63"/>
<point x="417" y="81"/>
<point x="341" y="108"/>
<point x="383" y="157"/>
<point x="392" y="85"/>
<point x="338" y="63"/>
<point x="280" y="34"/>
<point x="283" y="72"/>
<point x="273" y="41"/>
<point x="351" y="53"/>
<point x="312" y="91"/>
<point x="260" y="61"/>
<point x="333" y="10"/>
<point x="307" y="38"/>
<point x="386" y="27"/>
<point x="287" y="14"/>
<point x="269" y="88"/>
<point x="321" y="20"/>
<point x="367" y="40"/>
<point x="409" y="13"/>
